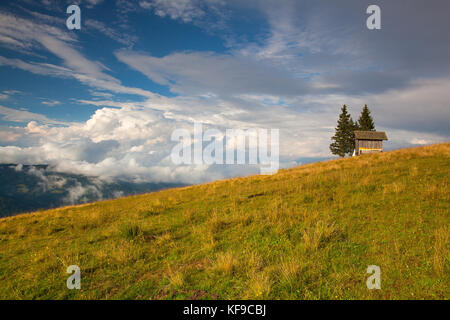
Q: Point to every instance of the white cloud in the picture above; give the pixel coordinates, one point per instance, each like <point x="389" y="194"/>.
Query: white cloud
<point x="51" y="4"/>
<point x="15" y="115"/>
<point x="61" y="44"/>
<point x="93" y="3"/>
<point x="76" y="192"/>
<point x="201" y="73"/>
<point x="124" y="39"/>
<point x="9" y="134"/>
<point x="185" y="10"/>
<point x="132" y="140"/>
<point x="419" y="141"/>
<point x="11" y="92"/>
<point x="99" y="94"/>
<point x="51" y="103"/>
<point x="79" y="193"/>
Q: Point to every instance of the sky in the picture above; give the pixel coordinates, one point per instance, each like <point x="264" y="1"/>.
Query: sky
<point x="105" y="99"/>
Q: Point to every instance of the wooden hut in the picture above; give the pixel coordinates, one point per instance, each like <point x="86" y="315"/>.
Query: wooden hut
<point x="369" y="141"/>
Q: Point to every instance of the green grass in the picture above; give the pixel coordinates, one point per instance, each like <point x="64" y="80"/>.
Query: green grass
<point x="304" y="233"/>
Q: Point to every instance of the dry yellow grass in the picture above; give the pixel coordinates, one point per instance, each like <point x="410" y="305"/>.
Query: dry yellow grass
<point x="226" y="262"/>
<point x="441" y="249"/>
<point x="305" y="233"/>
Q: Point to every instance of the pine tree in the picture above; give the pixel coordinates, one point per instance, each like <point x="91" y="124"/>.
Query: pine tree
<point x="365" y="121"/>
<point x="354" y="126"/>
<point x="343" y="139"/>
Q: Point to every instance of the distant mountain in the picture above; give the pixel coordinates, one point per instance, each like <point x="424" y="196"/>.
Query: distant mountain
<point x="25" y="188"/>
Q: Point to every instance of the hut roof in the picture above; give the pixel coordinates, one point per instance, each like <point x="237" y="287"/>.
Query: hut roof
<point x="370" y="135"/>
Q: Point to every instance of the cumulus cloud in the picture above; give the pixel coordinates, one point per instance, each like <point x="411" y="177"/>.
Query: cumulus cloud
<point x="132" y="141"/>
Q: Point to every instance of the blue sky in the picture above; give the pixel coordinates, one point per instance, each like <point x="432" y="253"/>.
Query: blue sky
<point x="137" y="70"/>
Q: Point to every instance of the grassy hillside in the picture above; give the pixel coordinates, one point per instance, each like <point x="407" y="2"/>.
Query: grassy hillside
<point x="304" y="233"/>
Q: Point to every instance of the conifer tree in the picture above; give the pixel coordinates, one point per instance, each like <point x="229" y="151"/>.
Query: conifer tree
<point x="365" y="121"/>
<point x="343" y="139"/>
<point x="354" y="126"/>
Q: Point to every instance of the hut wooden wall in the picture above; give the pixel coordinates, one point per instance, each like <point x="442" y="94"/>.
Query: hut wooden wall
<point x="369" y="144"/>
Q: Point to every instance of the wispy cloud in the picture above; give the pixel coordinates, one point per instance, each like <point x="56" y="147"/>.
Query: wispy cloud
<point x="52" y="39"/>
<point x="125" y="39"/>
<point x="51" y="103"/>
<point x="184" y="10"/>
<point x="205" y="72"/>
<point x="24" y="116"/>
